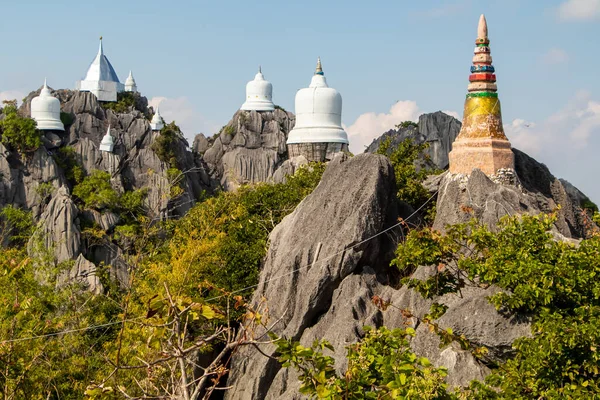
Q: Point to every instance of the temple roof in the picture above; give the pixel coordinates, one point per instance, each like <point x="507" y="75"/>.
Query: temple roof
<point x="101" y="69"/>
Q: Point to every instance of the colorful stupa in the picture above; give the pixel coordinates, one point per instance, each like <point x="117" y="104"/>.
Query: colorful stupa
<point x="481" y="142"/>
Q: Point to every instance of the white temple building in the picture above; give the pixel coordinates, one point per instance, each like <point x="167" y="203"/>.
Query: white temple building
<point x="130" y="85"/>
<point x="45" y="110"/>
<point x="157" y="122"/>
<point x="318" y="133"/>
<point x="107" y="143"/>
<point x="101" y="78"/>
<point x="259" y="94"/>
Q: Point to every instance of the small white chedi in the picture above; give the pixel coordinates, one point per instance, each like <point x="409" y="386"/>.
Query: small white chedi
<point x="318" y="133"/>
<point x="45" y="110"/>
<point x="259" y="94"/>
<point x="107" y="143"/>
<point x="157" y="122"/>
<point x="130" y="85"/>
<point x="101" y="78"/>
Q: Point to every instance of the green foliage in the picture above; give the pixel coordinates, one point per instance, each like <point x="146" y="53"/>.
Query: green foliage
<point x="407" y="124"/>
<point x="280" y="108"/>
<point x="66" y="159"/>
<point x="126" y="101"/>
<point x="95" y="191"/>
<point x="16" y="225"/>
<point x="409" y="177"/>
<point x="44" y="190"/>
<point x="222" y="241"/>
<point x="228" y="130"/>
<point x="51" y="367"/>
<point x="66" y="118"/>
<point x="556" y="283"/>
<point x="381" y="366"/>
<point x="18" y="133"/>
<point x="587" y="204"/>
<point x="165" y="144"/>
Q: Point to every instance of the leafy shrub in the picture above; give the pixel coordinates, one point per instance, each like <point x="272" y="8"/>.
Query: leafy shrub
<point x="66" y="118"/>
<point x="409" y="178"/>
<point x="165" y="144"/>
<point x="587" y="204"/>
<point x="407" y="124"/>
<point x="16" y="224"/>
<point x="553" y="282"/>
<point x="19" y="133"/>
<point x="66" y="159"/>
<point x="126" y="101"/>
<point x="381" y="366"/>
<point x="44" y="190"/>
<point x="95" y="191"/>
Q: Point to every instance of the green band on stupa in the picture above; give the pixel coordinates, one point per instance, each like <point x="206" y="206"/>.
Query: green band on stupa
<point x="483" y="94"/>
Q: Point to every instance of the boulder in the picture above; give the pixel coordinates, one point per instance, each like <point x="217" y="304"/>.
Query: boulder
<point x="248" y="149"/>
<point x="85" y="271"/>
<point x="317" y="270"/>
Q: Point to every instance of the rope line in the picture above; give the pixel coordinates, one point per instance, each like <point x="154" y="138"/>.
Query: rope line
<point x="92" y="327"/>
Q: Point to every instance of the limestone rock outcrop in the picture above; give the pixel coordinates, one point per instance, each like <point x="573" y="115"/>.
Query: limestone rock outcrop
<point x="324" y="265"/>
<point x="249" y="148"/>
<point x="437" y="129"/>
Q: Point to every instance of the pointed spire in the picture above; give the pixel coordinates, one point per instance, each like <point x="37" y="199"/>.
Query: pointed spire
<point x="482" y="29"/>
<point x="319" y="70"/>
<point x="260" y="69"/>
<point x="100" y="49"/>
<point x="45" y="85"/>
<point x="45" y="90"/>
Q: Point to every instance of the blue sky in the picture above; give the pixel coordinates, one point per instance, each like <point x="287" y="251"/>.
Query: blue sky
<point x="390" y="60"/>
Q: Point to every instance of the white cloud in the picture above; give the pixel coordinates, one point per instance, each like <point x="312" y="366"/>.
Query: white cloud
<point x="370" y="125"/>
<point x="183" y="112"/>
<point x="567" y="141"/>
<point x="555" y="56"/>
<point x="579" y="10"/>
<point x="12" y="95"/>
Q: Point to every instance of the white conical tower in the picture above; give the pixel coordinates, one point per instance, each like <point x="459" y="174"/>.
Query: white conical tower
<point x="101" y="78"/>
<point x="130" y="85"/>
<point x="318" y="133"/>
<point x="259" y="94"/>
<point x="45" y="109"/>
<point x="157" y="122"/>
<point x="107" y="143"/>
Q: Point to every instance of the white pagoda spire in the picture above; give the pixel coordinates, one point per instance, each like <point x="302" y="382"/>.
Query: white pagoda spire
<point x="107" y="143"/>
<point x="101" y="78"/>
<point x="130" y="85"/>
<point x="45" y="109"/>
<point x="157" y="122"/>
<point x="259" y="94"/>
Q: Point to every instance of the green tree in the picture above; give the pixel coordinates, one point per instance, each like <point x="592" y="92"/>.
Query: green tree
<point x="553" y="282"/>
<point x="95" y="191"/>
<point x="409" y="172"/>
<point x="165" y="144"/>
<point x="18" y="133"/>
<point x="380" y="366"/>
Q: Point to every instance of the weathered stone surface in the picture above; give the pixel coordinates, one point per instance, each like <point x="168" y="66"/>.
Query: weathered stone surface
<point x="85" y="271"/>
<point x="248" y="149"/>
<point x="106" y="220"/>
<point x="288" y="167"/>
<point x="58" y="227"/>
<point x="437" y="129"/>
<point x="201" y="144"/>
<point x="461" y="198"/>
<point x="354" y="200"/>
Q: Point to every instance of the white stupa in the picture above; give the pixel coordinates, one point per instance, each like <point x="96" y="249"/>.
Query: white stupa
<point x="157" y="122"/>
<point x="318" y="133"/>
<point x="259" y="94"/>
<point x="130" y="85"/>
<point x="101" y="78"/>
<point x="45" y="109"/>
<point x="107" y="143"/>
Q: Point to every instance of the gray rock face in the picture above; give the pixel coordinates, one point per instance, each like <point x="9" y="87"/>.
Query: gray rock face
<point x="307" y="249"/>
<point x="248" y="149"/>
<point x="461" y="198"/>
<point x="58" y="227"/>
<point x="314" y="291"/>
<point x="85" y="271"/>
<point x="437" y="129"/>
